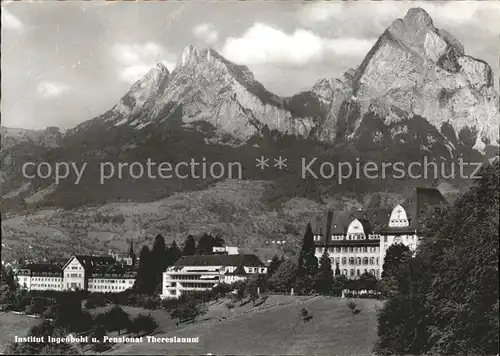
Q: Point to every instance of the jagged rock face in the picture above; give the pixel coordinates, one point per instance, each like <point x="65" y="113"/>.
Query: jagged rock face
<point x="212" y="89"/>
<point x="205" y="87"/>
<point x="414" y="70"/>
<point x="424" y="71"/>
<point x="332" y="93"/>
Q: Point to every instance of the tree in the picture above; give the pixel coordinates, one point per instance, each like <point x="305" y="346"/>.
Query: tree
<point x="449" y="304"/>
<point x="273" y="266"/>
<point x="158" y="260"/>
<point x="145" y="274"/>
<point x="145" y="323"/>
<point x="282" y="280"/>
<point x="253" y="295"/>
<point x="173" y="253"/>
<point x="394" y="257"/>
<point x="207" y="243"/>
<point x="118" y="319"/>
<point x="189" y="246"/>
<point x="324" y="280"/>
<point x="187" y="310"/>
<point x="131" y="253"/>
<point x="368" y="282"/>
<point x="307" y="263"/>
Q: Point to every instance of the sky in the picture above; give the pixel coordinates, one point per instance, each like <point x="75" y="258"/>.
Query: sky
<point x="67" y="62"/>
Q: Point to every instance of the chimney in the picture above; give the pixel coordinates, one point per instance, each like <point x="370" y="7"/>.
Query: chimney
<point x="329" y="220"/>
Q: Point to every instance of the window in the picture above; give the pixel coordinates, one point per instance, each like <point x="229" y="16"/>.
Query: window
<point x="358" y="272"/>
<point x="350" y="249"/>
<point x="344" y="260"/>
<point x="365" y="249"/>
<point x="365" y="260"/>
<point x="337" y="249"/>
<point x="351" y="260"/>
<point x="358" y="261"/>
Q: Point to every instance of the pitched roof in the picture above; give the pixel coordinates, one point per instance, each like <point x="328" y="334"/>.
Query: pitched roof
<point x="239" y="271"/>
<point x="417" y="204"/>
<point x="43" y="267"/>
<point x="91" y="262"/>
<point x="246" y="260"/>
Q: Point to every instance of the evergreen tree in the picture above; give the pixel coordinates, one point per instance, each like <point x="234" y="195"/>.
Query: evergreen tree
<point x="145" y="273"/>
<point x="189" y="246"/>
<point x="324" y="280"/>
<point x="174" y="253"/>
<point x="131" y="253"/>
<point x="282" y="280"/>
<point x="273" y="266"/>
<point x="307" y="263"/>
<point x="207" y="243"/>
<point x="447" y="295"/>
<point x="158" y="259"/>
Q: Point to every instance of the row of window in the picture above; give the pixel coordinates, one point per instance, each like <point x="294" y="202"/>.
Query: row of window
<point x="46" y="279"/>
<point x="256" y="270"/>
<point x="105" y="287"/>
<point x="356" y="261"/>
<point x="357" y="272"/>
<point x="349" y="237"/>
<point x="351" y="249"/>
<point x="111" y="281"/>
<point x="74" y="275"/>
<point x="44" y="285"/>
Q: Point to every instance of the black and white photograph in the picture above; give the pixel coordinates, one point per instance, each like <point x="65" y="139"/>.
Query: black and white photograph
<point x="250" y="177"/>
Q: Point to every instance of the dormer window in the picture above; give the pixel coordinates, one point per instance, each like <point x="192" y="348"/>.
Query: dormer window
<point x="398" y="217"/>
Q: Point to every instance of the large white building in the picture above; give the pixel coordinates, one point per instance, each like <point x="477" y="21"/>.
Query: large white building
<point x="357" y="240"/>
<point x="93" y="273"/>
<point x="203" y="272"/>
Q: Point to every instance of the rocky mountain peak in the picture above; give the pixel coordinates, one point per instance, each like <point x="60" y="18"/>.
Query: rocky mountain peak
<point x="417" y="69"/>
<point x="144" y="90"/>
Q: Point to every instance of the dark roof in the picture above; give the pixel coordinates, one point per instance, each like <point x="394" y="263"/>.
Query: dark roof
<point x="417" y="205"/>
<point x="246" y="260"/>
<point x="43" y="267"/>
<point x="239" y="271"/>
<point x="94" y="261"/>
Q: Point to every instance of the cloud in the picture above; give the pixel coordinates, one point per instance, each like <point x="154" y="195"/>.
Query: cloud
<point x="135" y="60"/>
<point x="206" y="32"/>
<point x="10" y="21"/>
<point x="370" y="12"/>
<point x="263" y="44"/>
<point x="51" y="90"/>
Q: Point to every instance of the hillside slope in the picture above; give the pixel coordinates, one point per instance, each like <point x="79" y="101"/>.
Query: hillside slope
<point x="278" y="330"/>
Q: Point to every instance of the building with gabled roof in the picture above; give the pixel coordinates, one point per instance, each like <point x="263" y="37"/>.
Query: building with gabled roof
<point x="357" y="240"/>
<point x="204" y="272"/>
<point x="80" y="272"/>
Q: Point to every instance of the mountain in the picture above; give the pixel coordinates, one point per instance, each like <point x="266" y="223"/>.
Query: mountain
<point x="416" y="90"/>
<point x="416" y="72"/>
<point x="416" y="94"/>
<point x="207" y="88"/>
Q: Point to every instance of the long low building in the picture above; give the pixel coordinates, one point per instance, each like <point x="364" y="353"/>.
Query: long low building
<point x="204" y="272"/>
<point x="93" y="273"/>
<point x="357" y="241"/>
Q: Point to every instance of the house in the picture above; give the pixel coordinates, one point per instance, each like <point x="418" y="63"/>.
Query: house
<point x="204" y="272"/>
<point x="357" y="240"/>
<point x="38" y="276"/>
<point x="80" y="272"/>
